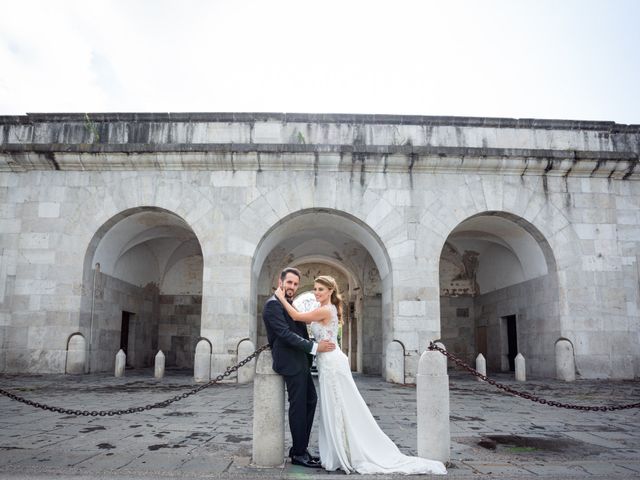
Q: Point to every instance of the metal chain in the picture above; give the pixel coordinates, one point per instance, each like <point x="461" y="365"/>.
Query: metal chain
<point x="529" y="396"/>
<point x="164" y="403"/>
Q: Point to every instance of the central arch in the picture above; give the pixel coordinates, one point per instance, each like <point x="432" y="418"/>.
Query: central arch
<point x="350" y="335"/>
<point x="326" y="241"/>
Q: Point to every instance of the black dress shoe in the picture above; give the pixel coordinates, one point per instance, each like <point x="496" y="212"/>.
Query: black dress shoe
<point x="304" y="461"/>
<point x="313" y="457"/>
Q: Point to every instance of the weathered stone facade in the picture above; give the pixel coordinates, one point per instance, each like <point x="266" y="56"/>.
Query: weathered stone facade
<point x="488" y="234"/>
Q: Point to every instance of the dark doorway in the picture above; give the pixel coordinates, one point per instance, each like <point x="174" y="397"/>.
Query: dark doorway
<point x="512" y="341"/>
<point x="124" y="333"/>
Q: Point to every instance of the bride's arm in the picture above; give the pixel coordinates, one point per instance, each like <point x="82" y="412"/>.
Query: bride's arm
<point x="318" y="315"/>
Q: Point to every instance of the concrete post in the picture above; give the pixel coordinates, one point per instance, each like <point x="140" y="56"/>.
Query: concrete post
<point x="481" y="365"/>
<point x="158" y="371"/>
<point x="565" y="362"/>
<point x="246" y="373"/>
<point x="394" y="368"/>
<point x="434" y="436"/>
<point x="202" y="362"/>
<point x="76" y="354"/>
<point x="121" y="360"/>
<point x="521" y="371"/>
<point x="268" y="414"/>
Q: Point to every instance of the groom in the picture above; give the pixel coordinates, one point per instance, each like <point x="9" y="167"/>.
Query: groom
<point x="292" y="357"/>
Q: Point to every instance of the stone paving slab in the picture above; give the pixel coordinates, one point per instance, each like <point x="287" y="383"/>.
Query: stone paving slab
<point x="609" y="468"/>
<point x="101" y="462"/>
<point x="496" y="469"/>
<point x="208" y="435"/>
<point x="53" y="460"/>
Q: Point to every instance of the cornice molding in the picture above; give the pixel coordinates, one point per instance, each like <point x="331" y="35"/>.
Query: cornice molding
<point x="355" y="119"/>
<point x="318" y="158"/>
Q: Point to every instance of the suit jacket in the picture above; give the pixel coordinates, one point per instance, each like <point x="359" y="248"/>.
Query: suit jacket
<point x="289" y="340"/>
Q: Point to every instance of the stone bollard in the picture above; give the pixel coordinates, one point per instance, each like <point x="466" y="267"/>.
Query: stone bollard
<point x="121" y="360"/>
<point x="481" y="365"/>
<point x="268" y="414"/>
<point x="202" y="362"/>
<point x="158" y="371"/>
<point x="394" y="368"/>
<point x="565" y="362"/>
<point x="434" y="436"/>
<point x="247" y="372"/>
<point x="521" y="371"/>
<point x="76" y="354"/>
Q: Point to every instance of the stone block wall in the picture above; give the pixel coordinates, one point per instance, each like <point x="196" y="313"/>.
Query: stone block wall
<point x="458" y="326"/>
<point x="371" y="345"/>
<point x="179" y="328"/>
<point x="113" y="296"/>
<point x="535" y="305"/>
<point x="170" y="323"/>
<point x="9" y="340"/>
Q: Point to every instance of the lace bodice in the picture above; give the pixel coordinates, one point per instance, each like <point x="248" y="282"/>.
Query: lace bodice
<point x="329" y="331"/>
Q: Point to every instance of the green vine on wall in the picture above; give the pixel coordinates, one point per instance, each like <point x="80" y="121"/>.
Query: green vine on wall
<point x="91" y="127"/>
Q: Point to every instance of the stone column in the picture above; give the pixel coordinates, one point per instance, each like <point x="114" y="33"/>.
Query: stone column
<point x="481" y="365"/>
<point x="246" y="373"/>
<point x="268" y="414"/>
<point x="521" y="371"/>
<point x="434" y="437"/>
<point x="565" y="362"/>
<point x="158" y="371"/>
<point x="202" y="362"/>
<point x="394" y="368"/>
<point x="76" y="354"/>
<point x="121" y="360"/>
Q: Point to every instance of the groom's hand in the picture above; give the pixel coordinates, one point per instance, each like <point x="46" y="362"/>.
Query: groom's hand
<point x="326" y="346"/>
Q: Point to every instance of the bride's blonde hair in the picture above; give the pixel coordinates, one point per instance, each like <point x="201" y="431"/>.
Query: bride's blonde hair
<point x="336" y="299"/>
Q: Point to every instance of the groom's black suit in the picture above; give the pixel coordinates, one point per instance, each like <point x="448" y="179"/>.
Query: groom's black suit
<point x="291" y="348"/>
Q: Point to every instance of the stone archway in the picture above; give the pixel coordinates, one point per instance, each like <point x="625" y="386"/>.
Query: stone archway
<point x="327" y="241"/>
<point x="499" y="293"/>
<point x="142" y="289"/>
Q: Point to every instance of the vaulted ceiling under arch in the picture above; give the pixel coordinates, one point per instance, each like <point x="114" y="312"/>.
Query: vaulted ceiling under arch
<point x="505" y="252"/>
<point x="152" y="247"/>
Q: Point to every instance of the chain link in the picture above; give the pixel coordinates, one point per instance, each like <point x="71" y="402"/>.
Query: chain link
<point x="163" y="404"/>
<point x="529" y="396"/>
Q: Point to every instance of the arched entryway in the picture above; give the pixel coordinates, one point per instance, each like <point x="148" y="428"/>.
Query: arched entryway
<point x="322" y="241"/>
<point x="499" y="293"/>
<point x="142" y="290"/>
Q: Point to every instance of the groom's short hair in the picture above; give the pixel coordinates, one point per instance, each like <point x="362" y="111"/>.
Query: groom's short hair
<point x="284" y="272"/>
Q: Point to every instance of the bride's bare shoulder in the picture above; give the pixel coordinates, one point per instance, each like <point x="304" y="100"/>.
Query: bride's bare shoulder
<point x="327" y="312"/>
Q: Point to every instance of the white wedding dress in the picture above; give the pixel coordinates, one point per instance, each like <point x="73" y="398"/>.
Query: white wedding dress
<point x="349" y="437"/>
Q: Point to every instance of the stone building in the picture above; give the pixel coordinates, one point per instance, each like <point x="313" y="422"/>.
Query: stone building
<point x="159" y="231"/>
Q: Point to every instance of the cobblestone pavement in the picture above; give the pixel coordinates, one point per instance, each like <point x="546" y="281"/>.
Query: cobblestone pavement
<point x="494" y="435"/>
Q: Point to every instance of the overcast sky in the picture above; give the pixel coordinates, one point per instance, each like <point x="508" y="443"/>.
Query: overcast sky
<point x="571" y="59"/>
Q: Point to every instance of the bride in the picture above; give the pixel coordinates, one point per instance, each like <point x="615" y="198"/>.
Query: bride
<point x="349" y="438"/>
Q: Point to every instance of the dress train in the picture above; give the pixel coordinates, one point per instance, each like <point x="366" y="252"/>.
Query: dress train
<point x="349" y="437"/>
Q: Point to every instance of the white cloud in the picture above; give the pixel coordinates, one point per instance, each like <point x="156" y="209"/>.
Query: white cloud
<point x="44" y="68"/>
<point x="495" y="58"/>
